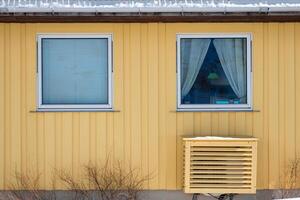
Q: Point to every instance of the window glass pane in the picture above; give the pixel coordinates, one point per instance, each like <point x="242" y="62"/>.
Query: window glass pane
<point x="213" y="71"/>
<point x="74" y="71"/>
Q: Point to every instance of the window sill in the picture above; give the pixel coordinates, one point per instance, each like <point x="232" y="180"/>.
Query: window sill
<point x="73" y="110"/>
<point x="216" y="110"/>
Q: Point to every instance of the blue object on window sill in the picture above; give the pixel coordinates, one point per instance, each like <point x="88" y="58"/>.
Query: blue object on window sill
<point x="236" y="101"/>
<point x="222" y="102"/>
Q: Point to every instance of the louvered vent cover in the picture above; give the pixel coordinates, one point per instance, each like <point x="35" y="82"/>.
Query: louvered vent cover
<point x="220" y="165"/>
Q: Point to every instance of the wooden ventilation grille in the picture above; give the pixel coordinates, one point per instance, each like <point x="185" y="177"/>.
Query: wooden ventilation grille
<point x="220" y="165"/>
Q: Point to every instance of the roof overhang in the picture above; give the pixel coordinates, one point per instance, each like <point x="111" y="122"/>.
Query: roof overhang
<point x="150" y="11"/>
<point x="72" y="17"/>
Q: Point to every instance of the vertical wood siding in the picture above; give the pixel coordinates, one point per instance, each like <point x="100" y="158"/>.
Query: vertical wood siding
<point x="146" y="132"/>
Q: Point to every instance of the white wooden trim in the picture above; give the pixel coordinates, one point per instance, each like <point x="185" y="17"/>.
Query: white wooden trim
<point x="223" y="107"/>
<point x="75" y="107"/>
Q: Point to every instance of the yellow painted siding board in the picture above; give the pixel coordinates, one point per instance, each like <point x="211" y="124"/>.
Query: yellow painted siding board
<point x="146" y="130"/>
<point x="67" y="141"/>
<point x="7" y="111"/>
<point x="171" y="134"/>
<point x="162" y="52"/>
<point x="76" y="145"/>
<point x="127" y="93"/>
<point x="23" y="128"/>
<point x="265" y="108"/>
<point x="41" y="148"/>
<point x="84" y="139"/>
<point x="49" y="156"/>
<point x="281" y="102"/>
<point x="135" y="82"/>
<point x="289" y="56"/>
<point x="273" y="104"/>
<point x="15" y="103"/>
<point x="297" y="88"/>
<point x="2" y="105"/>
<point x="101" y="148"/>
<point x="153" y="102"/>
<point x="144" y="102"/>
<point x="223" y="124"/>
<point x="257" y="69"/>
<point x="118" y="92"/>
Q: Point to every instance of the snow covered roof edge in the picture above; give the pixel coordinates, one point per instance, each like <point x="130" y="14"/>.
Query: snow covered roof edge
<point x="149" y="6"/>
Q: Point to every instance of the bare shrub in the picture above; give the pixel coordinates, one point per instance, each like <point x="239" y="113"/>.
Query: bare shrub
<point x="290" y="179"/>
<point x="26" y="187"/>
<point x="110" y="181"/>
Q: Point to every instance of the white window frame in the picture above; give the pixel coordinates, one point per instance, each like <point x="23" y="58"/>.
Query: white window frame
<point x="216" y="107"/>
<point x="74" y="107"/>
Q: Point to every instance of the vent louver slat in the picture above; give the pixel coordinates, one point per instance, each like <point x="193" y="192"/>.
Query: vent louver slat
<point x="220" y="166"/>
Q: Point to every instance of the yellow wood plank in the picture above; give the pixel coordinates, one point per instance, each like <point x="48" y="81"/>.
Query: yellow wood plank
<point x="222" y="163"/>
<point x="118" y="91"/>
<point x="76" y="145"/>
<point x="265" y="118"/>
<point x="58" y="150"/>
<point x="289" y="56"/>
<point x="258" y="66"/>
<point x="23" y="114"/>
<point x="41" y="148"/>
<point x="187" y="157"/>
<point x="162" y="52"/>
<point x="67" y="142"/>
<point x="229" y="172"/>
<point x="197" y="124"/>
<point x="49" y="159"/>
<point x="297" y="88"/>
<point x="15" y="101"/>
<point x="223" y="191"/>
<point x="145" y="101"/>
<point x="153" y="103"/>
<point x="7" y="111"/>
<point x="240" y="124"/>
<point x="232" y="185"/>
<point x="219" y="181"/>
<point x="231" y="124"/>
<point x="127" y="94"/>
<point x="281" y="102"/>
<point x="110" y="136"/>
<point x="135" y="33"/>
<point x="206" y="128"/>
<point x="214" y="176"/>
<point x="2" y="108"/>
<point x="215" y="124"/>
<point x="219" y="158"/>
<point x="30" y="94"/>
<point x="170" y="78"/>
<point x="273" y="104"/>
<point x="84" y="141"/>
<point x="186" y="120"/>
<point x="196" y="153"/>
<point x="217" y="149"/>
<point x="92" y="139"/>
<point x="101" y="148"/>
<point x="254" y="166"/>
<point x="219" y="167"/>
<point x="181" y="132"/>
<point x="223" y="124"/>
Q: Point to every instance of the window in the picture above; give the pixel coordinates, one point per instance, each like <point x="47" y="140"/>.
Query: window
<point x="74" y="72"/>
<point x="213" y="72"/>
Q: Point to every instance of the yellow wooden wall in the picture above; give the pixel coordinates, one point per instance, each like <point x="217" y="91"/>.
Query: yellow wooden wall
<point x="147" y="131"/>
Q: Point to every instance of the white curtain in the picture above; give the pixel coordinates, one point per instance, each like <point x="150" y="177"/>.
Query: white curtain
<point x="190" y="69"/>
<point x="232" y="54"/>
